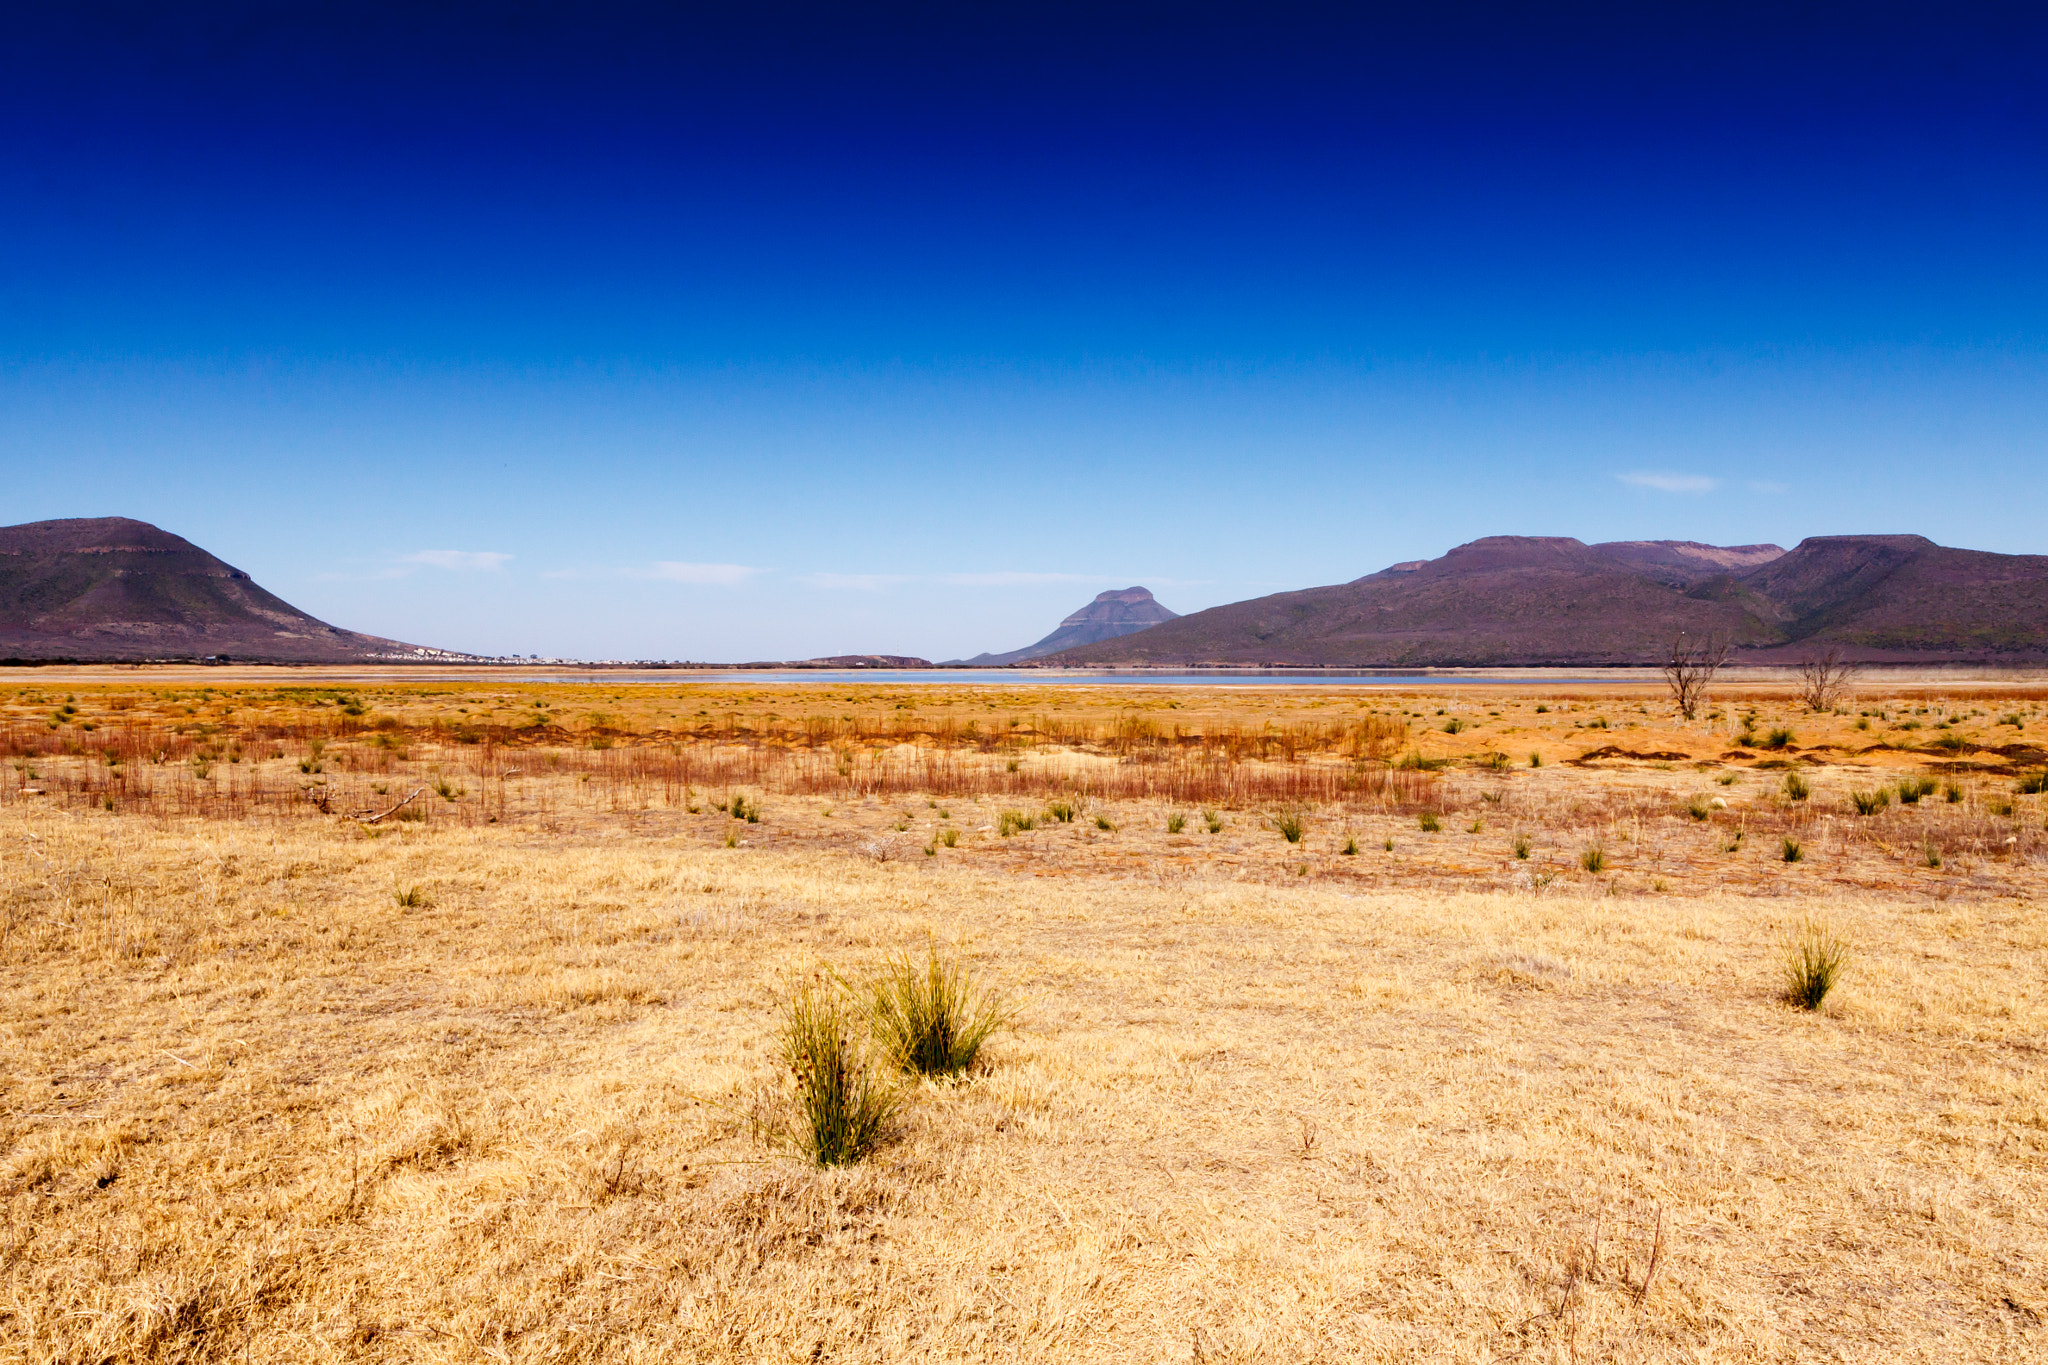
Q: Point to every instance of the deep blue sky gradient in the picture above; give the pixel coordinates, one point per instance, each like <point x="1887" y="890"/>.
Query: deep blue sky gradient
<point x="931" y="321"/>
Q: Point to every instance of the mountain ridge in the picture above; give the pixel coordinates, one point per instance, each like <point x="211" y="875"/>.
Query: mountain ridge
<point x="119" y="590"/>
<point x="1554" y="600"/>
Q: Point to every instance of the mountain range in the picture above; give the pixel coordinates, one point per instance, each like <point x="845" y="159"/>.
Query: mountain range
<point x="113" y="589"/>
<point x="1552" y="600"/>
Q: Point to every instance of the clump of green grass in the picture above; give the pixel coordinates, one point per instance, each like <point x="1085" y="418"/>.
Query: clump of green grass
<point x="1388" y="846"/>
<point x="1699" y="808"/>
<point x="1912" y="789"/>
<point x="743" y="809"/>
<point x="1535" y="760"/>
<point x="843" y="1108"/>
<point x="1291" y="825"/>
<point x="1522" y="847"/>
<point x="1103" y="822"/>
<point x="1212" y="821"/>
<point x="1796" y="787"/>
<point x="1429" y="822"/>
<point x="1413" y="761"/>
<point x="1453" y="726"/>
<point x="1870" y="803"/>
<point x="1930" y="853"/>
<point x="1594" y="859"/>
<point x="1475" y="827"/>
<point x="949" y="837"/>
<point x="1350" y="848"/>
<point x="1780" y="737"/>
<point x="1951" y="793"/>
<point x="931" y="1018"/>
<point x="1728" y="779"/>
<point x="1814" y="960"/>
<point x="1495" y="761"/>
<point x="2033" y="784"/>
<point x="1789" y="849"/>
<point x="1176" y="822"/>
<point x="1062" y="811"/>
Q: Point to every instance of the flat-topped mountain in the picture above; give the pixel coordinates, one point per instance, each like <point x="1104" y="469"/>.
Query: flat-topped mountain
<point x="1118" y="612"/>
<point x="110" y="588"/>
<point x="1535" y="600"/>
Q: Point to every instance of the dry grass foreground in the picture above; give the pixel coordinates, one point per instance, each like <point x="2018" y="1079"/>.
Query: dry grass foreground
<point x="255" y="1109"/>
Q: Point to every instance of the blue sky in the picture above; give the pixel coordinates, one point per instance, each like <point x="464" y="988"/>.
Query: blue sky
<point x="659" y="332"/>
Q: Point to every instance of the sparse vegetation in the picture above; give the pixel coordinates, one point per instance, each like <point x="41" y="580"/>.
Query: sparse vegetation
<point x="1814" y="960"/>
<point x="1870" y="802"/>
<point x="1291" y="824"/>
<point x="843" y="1109"/>
<point x="1790" y="849"/>
<point x="1594" y="859"/>
<point x="1429" y="822"/>
<point x="930" y="1017"/>
<point x="1176" y="822"/>
<point x="1796" y="787"/>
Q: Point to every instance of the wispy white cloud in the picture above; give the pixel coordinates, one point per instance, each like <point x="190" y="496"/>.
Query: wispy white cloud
<point x="852" y="582"/>
<point x="461" y="561"/>
<point x="1669" y="483"/>
<point x="1012" y="579"/>
<point x="676" y="571"/>
<point x="665" y="571"/>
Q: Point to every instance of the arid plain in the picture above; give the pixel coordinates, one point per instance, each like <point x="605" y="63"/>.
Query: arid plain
<point x="412" y="1020"/>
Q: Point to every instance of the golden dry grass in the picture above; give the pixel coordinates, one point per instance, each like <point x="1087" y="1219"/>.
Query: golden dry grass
<point x="1263" y="1105"/>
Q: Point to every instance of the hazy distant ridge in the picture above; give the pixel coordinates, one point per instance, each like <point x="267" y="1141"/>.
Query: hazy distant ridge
<point x="1115" y="613"/>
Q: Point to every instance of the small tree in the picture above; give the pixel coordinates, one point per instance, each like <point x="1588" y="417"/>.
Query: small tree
<point x="1824" y="679"/>
<point x="1693" y="664"/>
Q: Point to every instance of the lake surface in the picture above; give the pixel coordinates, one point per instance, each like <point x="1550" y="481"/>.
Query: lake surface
<point x="956" y="677"/>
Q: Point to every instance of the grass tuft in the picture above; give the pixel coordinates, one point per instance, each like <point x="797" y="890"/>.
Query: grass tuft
<point x="1796" y="787"/>
<point x="1429" y="822"/>
<point x="1790" y="850"/>
<point x="1522" y="847"/>
<point x="844" y="1109"/>
<point x="1870" y="803"/>
<point x="930" y="1017"/>
<point x="1291" y="825"/>
<point x="1176" y="822"/>
<point x="1594" y="859"/>
<point x="1814" y="959"/>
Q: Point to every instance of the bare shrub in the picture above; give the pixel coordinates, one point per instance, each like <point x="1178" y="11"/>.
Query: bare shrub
<point x="1824" y="679"/>
<point x="1691" y="669"/>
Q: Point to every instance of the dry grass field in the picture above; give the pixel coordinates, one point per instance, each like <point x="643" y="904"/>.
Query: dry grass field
<point x="299" y="1072"/>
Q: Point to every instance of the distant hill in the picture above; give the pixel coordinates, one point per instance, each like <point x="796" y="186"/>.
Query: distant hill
<point x="1112" y="614"/>
<point x="1535" y="600"/>
<point x="112" y="589"/>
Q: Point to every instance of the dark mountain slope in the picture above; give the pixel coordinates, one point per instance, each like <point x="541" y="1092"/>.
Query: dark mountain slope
<point x="109" y="588"/>
<point x="1907" y="598"/>
<point x="1112" y="614"/>
<point x="1525" y="600"/>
